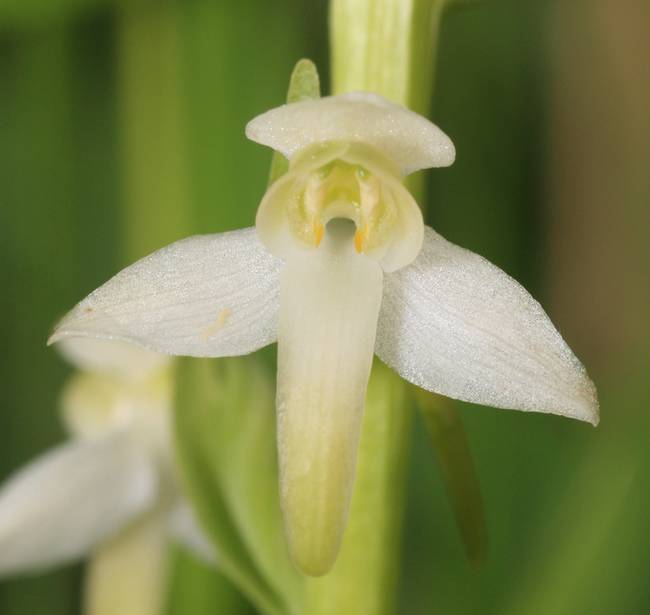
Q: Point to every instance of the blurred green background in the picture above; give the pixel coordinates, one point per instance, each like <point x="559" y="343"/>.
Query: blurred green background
<point x="121" y="129"/>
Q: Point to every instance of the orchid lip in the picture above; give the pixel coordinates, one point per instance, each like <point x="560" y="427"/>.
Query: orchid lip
<point x="329" y="305"/>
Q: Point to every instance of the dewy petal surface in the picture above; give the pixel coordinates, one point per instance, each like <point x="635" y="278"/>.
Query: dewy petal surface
<point x="329" y="308"/>
<point x="57" y="508"/>
<point x="410" y="140"/>
<point x="453" y="323"/>
<point x="205" y="296"/>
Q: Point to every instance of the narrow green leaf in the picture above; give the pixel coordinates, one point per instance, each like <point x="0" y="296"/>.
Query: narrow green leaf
<point x="244" y="442"/>
<point x="229" y="425"/>
<point x="200" y="589"/>
<point x="454" y="457"/>
<point x="221" y="426"/>
<point x="303" y="85"/>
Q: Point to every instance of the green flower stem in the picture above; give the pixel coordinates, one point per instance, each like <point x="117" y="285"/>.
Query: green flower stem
<point x="387" y="47"/>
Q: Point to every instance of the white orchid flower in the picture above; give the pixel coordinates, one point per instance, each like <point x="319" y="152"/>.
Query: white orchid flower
<point x="339" y="267"/>
<point x="110" y="493"/>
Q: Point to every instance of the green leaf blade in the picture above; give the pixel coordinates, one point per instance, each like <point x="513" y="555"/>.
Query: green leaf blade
<point x="214" y="421"/>
<point x="451" y="448"/>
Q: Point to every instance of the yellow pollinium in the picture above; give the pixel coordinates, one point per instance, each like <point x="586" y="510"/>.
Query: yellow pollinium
<point x="361" y="239"/>
<point x="319" y="233"/>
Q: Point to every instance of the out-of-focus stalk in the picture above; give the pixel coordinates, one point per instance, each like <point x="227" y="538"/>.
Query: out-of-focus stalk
<point x="578" y="541"/>
<point x="127" y="575"/>
<point x="155" y="193"/>
<point x="451" y="447"/>
<point x="387" y="47"/>
<point x="36" y="168"/>
<point x="130" y="574"/>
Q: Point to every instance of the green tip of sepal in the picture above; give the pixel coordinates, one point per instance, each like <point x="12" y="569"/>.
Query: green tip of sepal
<point x="304" y="84"/>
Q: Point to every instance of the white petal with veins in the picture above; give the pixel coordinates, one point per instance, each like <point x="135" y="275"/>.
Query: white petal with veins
<point x="410" y="140"/>
<point x="453" y="323"/>
<point x="329" y="307"/>
<point x="205" y="296"/>
<point x="60" y="506"/>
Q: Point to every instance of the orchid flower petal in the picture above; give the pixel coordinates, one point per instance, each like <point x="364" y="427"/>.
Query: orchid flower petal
<point x="329" y="306"/>
<point x="453" y="323"/>
<point x="111" y="357"/>
<point x="185" y="527"/>
<point x="93" y="405"/>
<point x="207" y="296"/>
<point x="61" y="505"/>
<point x="409" y="139"/>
